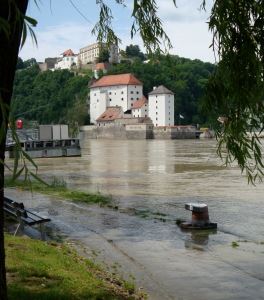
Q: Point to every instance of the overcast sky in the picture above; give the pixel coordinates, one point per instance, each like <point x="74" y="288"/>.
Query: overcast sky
<point x="61" y="26"/>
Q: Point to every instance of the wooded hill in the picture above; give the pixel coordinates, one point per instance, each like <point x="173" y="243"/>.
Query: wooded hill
<point x="185" y="77"/>
<point x="50" y="97"/>
<point x="61" y="96"/>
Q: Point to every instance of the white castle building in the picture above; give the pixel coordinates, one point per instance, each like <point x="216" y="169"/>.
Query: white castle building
<point x="66" y="61"/>
<point x="126" y="92"/>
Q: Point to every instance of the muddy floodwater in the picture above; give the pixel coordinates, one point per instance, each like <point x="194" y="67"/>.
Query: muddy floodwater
<point x="150" y="181"/>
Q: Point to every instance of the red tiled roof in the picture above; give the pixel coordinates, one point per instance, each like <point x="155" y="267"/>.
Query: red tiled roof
<point x="139" y="103"/>
<point x="68" y="52"/>
<point x="111" y="113"/>
<point x="121" y="79"/>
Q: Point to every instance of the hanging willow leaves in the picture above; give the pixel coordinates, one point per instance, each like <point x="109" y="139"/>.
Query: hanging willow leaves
<point x="146" y="22"/>
<point x="236" y="90"/>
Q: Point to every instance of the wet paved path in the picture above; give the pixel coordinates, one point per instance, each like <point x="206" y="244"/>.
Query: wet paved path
<point x="168" y="263"/>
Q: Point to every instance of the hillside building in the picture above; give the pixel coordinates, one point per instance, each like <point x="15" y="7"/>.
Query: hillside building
<point x="67" y="60"/>
<point x="48" y="64"/>
<point x="90" y="54"/>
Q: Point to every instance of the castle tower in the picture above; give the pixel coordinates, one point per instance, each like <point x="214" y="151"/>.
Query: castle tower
<point x="161" y="106"/>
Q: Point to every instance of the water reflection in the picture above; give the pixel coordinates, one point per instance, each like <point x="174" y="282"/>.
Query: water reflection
<point x="198" y="239"/>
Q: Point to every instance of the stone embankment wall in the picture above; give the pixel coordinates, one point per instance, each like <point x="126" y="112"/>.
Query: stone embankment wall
<point x="138" y="132"/>
<point x="175" y="132"/>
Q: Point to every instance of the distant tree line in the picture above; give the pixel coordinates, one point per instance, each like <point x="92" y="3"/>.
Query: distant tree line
<point x="50" y="97"/>
<point x="185" y="77"/>
<point x="24" y="64"/>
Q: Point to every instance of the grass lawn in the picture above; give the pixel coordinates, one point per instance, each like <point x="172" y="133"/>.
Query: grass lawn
<point x="50" y="271"/>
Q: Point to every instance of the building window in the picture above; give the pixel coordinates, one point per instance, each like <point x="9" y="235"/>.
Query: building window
<point x="156" y="125"/>
<point x="156" y="119"/>
<point x="132" y="98"/>
<point x="145" y="110"/>
<point x="156" y="107"/>
<point x="94" y="94"/>
<point x="131" y="104"/>
<point x="122" y="92"/>
<point x="110" y="93"/>
<point x="131" y="92"/>
<point x="156" y="112"/>
<point x="137" y="98"/>
<point x="110" y="99"/>
<point x="137" y="92"/>
<point x="156" y="101"/>
<point x="97" y="100"/>
<point x="145" y="116"/>
<point x="122" y="99"/>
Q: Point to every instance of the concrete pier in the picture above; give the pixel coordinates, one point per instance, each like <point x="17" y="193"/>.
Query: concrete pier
<point x="47" y="148"/>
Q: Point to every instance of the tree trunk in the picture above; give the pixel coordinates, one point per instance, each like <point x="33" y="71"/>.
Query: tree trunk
<point x="9" y="47"/>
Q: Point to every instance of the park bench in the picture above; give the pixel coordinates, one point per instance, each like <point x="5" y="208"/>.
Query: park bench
<point x="24" y="216"/>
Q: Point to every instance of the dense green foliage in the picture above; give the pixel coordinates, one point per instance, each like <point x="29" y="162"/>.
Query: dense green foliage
<point x="26" y="63"/>
<point x="58" y="97"/>
<point x="186" y="78"/>
<point x="133" y="51"/>
<point x="50" y="97"/>
<point x="103" y="56"/>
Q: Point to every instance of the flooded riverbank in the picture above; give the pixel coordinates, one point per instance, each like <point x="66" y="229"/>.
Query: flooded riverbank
<point x="151" y="181"/>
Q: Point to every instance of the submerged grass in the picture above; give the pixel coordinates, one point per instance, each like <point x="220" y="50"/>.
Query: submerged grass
<point x="59" y="188"/>
<point x="37" y="270"/>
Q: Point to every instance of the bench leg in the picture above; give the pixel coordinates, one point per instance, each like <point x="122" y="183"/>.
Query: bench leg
<point x="42" y="232"/>
<point x="20" y="227"/>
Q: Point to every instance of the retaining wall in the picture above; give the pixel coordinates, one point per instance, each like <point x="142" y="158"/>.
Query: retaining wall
<point x="138" y="132"/>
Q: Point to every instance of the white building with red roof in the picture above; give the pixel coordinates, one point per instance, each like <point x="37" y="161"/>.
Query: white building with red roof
<point x="140" y="108"/>
<point x="125" y="91"/>
<point x="114" y="90"/>
<point x="67" y="60"/>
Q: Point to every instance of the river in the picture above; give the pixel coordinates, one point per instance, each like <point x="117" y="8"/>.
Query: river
<point x="150" y="182"/>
